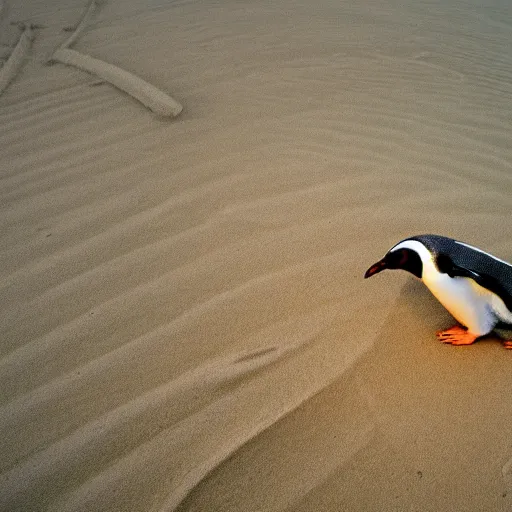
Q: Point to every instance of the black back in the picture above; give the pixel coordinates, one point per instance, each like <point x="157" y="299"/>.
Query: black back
<point x="458" y="260"/>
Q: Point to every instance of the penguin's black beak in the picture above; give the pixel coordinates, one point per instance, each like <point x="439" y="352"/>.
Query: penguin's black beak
<point x="375" y="268"/>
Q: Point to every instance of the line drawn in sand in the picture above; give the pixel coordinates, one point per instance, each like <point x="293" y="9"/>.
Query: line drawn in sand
<point x="15" y="61"/>
<point x="76" y="31"/>
<point x="155" y="99"/>
<point x="150" y="96"/>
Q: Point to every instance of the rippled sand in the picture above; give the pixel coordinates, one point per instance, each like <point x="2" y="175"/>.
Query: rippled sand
<point x="183" y="322"/>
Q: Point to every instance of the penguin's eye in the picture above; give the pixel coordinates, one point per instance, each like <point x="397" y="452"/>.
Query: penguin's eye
<point x="404" y="256"/>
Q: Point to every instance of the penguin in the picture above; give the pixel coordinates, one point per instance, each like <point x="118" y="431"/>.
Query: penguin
<point x="474" y="286"/>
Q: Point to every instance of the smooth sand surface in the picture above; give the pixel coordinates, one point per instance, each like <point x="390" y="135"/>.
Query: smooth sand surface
<point x="184" y="322"/>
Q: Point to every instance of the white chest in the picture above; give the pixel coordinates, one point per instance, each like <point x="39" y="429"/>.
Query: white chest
<point x="469" y="303"/>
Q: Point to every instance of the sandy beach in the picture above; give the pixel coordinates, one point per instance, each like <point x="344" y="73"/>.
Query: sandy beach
<point x="184" y="323"/>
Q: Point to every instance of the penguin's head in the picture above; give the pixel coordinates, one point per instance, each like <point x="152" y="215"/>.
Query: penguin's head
<point x="398" y="258"/>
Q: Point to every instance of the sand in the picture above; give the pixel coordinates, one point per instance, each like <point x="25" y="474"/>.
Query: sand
<point x="184" y="323"/>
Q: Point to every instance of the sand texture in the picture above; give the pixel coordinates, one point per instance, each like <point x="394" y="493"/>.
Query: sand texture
<point x="156" y="100"/>
<point x="184" y="323"/>
<point x="15" y="60"/>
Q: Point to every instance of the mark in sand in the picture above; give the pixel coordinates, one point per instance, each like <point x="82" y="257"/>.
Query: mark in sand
<point x="153" y="98"/>
<point x="15" y="61"/>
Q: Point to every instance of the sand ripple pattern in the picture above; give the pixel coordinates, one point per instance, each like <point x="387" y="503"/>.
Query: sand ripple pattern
<point x="181" y="297"/>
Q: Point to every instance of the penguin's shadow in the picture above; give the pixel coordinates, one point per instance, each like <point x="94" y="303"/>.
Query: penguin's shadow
<point x="423" y="308"/>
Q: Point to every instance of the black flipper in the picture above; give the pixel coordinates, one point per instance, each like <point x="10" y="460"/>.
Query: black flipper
<point x="446" y="265"/>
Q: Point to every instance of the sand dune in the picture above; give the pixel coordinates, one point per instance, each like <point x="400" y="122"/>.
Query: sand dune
<point x="184" y="323"/>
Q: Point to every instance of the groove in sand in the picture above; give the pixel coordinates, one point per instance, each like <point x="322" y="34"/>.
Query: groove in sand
<point x="14" y="63"/>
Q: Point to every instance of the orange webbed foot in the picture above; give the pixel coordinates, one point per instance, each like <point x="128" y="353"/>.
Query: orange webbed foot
<point x="457" y="336"/>
<point x="507" y="344"/>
